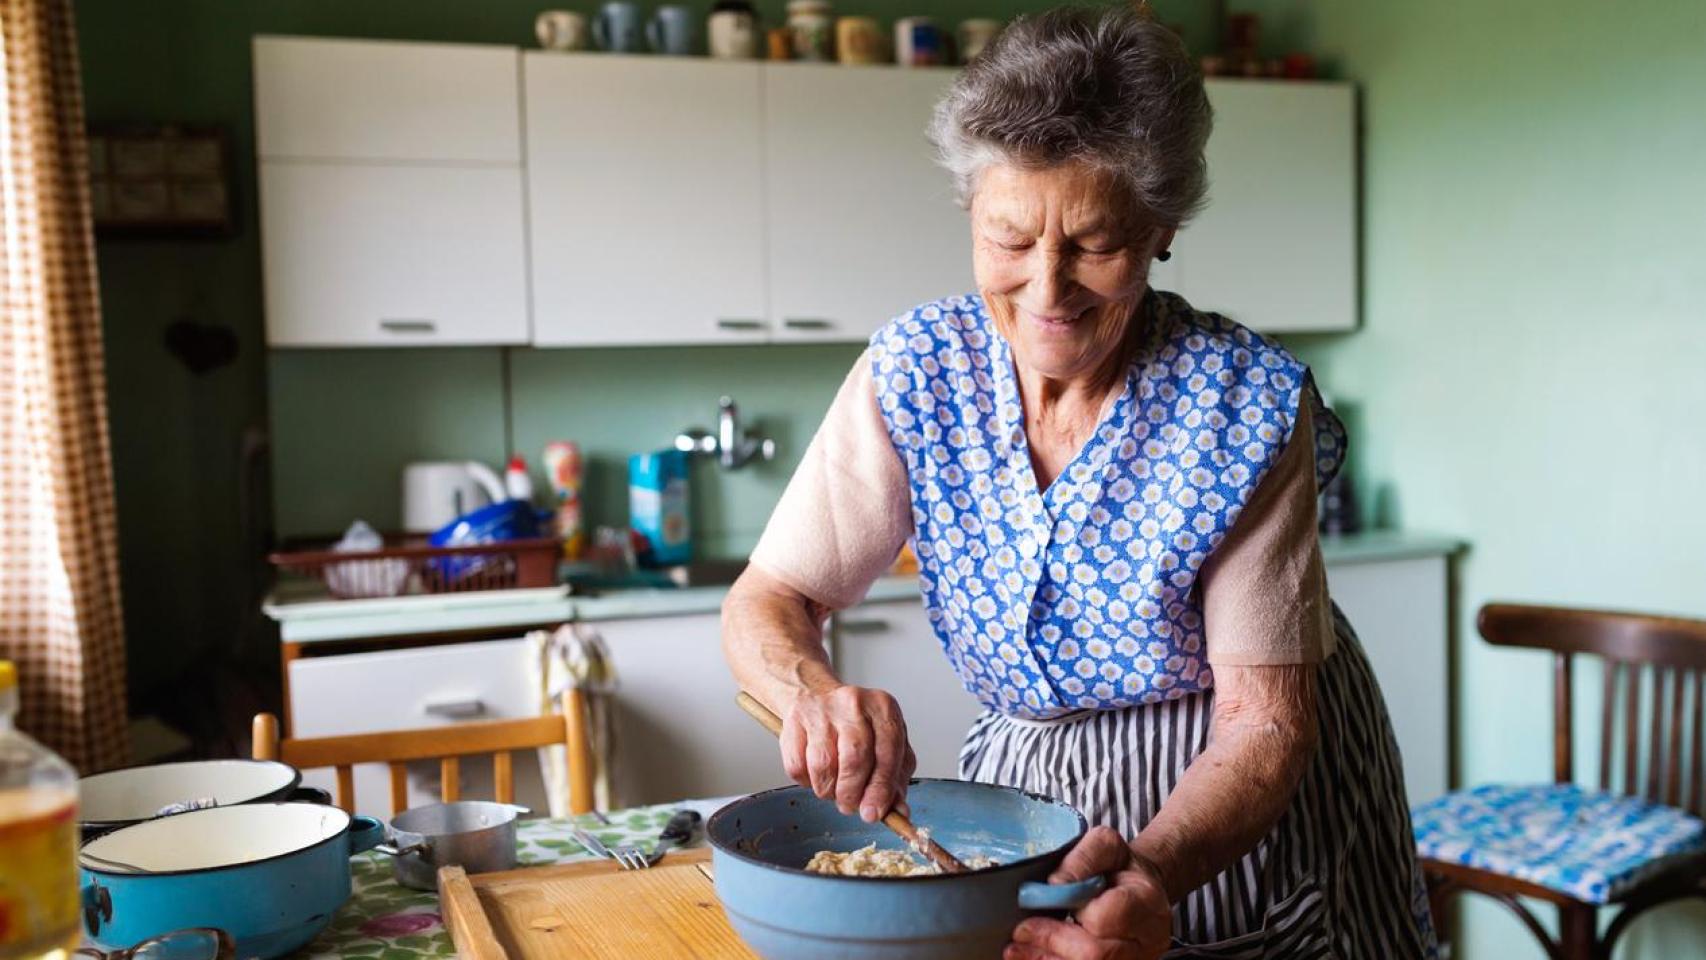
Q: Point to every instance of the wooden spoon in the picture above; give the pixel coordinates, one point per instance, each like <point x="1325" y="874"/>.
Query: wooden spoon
<point x="894" y="819"/>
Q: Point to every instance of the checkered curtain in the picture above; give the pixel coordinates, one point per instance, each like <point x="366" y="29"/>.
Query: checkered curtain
<point x="59" y="592"/>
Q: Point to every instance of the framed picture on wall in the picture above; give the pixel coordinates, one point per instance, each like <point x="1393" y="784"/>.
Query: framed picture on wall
<point x="161" y="180"/>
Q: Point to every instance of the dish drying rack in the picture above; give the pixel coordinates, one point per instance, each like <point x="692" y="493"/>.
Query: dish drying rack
<point x="412" y="566"/>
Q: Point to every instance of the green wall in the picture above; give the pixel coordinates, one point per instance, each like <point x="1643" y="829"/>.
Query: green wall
<point x="356" y="417"/>
<point x="1529" y="372"/>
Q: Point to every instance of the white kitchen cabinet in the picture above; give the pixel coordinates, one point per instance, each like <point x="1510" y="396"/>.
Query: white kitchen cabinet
<point x="679" y="732"/>
<point x="1276" y="247"/>
<point x="391" y="193"/>
<point x="1399" y="607"/>
<point x="334" y="99"/>
<point x="660" y="200"/>
<point x="375" y="255"/>
<point x="862" y="222"/>
<point x="891" y="646"/>
<point x="644" y="191"/>
<point x="413" y="688"/>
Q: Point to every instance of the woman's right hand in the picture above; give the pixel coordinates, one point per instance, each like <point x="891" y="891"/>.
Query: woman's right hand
<point x="849" y="744"/>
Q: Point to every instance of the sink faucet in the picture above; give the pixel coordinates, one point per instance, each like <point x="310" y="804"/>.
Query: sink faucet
<point x="733" y="447"/>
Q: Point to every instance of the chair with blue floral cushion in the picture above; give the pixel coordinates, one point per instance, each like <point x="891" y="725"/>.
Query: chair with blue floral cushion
<point x="1634" y="843"/>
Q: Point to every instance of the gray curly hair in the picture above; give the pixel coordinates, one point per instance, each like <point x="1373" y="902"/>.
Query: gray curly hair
<point x="1110" y="88"/>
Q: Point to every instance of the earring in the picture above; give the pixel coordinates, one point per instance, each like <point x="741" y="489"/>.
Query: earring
<point x="1164" y="256"/>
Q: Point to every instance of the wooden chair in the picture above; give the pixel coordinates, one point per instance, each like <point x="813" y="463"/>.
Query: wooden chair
<point x="446" y="744"/>
<point x="1654" y="733"/>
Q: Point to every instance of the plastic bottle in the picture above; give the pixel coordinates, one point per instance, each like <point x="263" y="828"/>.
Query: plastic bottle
<point x="38" y="841"/>
<point x="517" y="483"/>
<point x="563" y="469"/>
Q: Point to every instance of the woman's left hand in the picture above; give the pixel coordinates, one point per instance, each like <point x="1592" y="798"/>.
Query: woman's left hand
<point x="1131" y="920"/>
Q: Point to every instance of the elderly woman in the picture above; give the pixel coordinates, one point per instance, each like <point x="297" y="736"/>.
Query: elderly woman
<point x="1112" y="500"/>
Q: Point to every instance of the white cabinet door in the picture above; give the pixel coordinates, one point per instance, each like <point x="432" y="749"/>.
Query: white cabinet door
<point x="377" y="255"/>
<point x="1399" y="610"/>
<point x="410" y="689"/>
<point x="644" y="203"/>
<point x="863" y="224"/>
<point x="330" y="99"/>
<point x="679" y="733"/>
<point x="890" y="646"/>
<point x="1276" y="247"/>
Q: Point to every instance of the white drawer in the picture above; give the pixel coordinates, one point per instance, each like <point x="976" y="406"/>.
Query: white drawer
<point x="409" y="689"/>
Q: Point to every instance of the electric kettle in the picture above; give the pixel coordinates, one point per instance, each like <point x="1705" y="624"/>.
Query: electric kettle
<point x="437" y="492"/>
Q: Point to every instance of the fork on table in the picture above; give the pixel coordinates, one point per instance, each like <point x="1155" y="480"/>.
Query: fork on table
<point x="626" y="854"/>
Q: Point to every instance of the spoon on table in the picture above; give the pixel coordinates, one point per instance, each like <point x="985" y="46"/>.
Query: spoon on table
<point x="894" y="819"/>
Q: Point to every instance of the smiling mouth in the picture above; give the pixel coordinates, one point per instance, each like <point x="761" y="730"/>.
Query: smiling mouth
<point x="1056" y="321"/>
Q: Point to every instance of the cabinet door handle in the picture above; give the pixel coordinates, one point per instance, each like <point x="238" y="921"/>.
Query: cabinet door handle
<point x="456" y="709"/>
<point x="808" y="323"/>
<point x="847" y="627"/>
<point x="405" y="325"/>
<point x="739" y="323"/>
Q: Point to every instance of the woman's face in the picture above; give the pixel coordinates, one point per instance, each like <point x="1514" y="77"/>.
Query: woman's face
<point x="1062" y="261"/>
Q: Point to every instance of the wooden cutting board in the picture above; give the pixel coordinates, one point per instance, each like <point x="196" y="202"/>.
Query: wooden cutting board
<point x="590" y="911"/>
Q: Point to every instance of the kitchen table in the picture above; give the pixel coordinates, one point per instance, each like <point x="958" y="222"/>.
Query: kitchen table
<point x="386" y="921"/>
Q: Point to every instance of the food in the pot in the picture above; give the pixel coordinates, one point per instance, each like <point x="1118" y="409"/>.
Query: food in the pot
<point x="868" y="861"/>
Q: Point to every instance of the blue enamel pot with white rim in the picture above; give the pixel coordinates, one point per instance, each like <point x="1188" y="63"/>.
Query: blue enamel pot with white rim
<point x="270" y="874"/>
<point x="760" y="846"/>
<point x="119" y="798"/>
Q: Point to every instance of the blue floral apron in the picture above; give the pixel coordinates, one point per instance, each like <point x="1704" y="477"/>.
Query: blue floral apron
<point x="1080" y="596"/>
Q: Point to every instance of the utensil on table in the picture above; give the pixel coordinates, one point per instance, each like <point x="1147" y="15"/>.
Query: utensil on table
<point x="894" y="819"/>
<point x="628" y="857"/>
<point x="476" y="835"/>
<point x="212" y="867"/>
<point x="119" y="798"/>
<point x="678" y="832"/>
<point x="761" y="844"/>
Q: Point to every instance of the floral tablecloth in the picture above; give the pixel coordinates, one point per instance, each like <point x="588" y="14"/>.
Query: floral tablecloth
<point x="384" y="920"/>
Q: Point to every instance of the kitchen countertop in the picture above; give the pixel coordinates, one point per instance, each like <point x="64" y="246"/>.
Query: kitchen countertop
<point x="306" y="615"/>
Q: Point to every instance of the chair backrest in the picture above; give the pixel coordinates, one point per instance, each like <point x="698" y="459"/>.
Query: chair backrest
<point x="446" y="744"/>
<point x="1660" y="719"/>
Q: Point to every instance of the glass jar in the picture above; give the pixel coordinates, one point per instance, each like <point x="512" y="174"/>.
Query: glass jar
<point x="812" y="27"/>
<point x="38" y="841"/>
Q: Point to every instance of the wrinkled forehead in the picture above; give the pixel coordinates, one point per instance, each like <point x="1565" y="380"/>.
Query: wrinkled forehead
<point x="1069" y="198"/>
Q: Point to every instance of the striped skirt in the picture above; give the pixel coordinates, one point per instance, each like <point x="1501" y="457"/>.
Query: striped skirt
<point x="1336" y="877"/>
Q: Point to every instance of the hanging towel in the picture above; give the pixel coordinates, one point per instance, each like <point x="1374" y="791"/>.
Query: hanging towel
<point x="573" y="656"/>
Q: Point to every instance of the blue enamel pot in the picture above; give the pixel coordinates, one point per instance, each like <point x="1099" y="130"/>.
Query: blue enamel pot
<point x="761" y="844"/>
<point x="119" y="798"/>
<point x="270" y="874"/>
